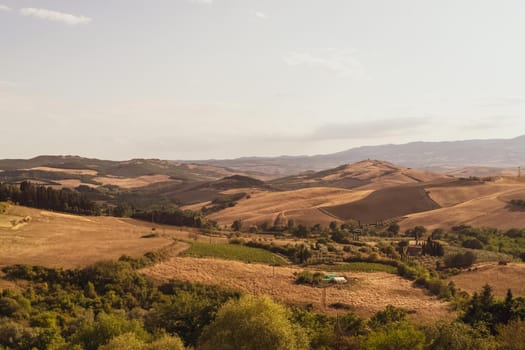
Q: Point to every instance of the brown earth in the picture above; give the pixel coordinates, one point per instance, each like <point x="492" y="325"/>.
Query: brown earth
<point x="386" y="203"/>
<point x="499" y="277"/>
<point x="490" y="209"/>
<point x="367" y="293"/>
<point x="367" y="174"/>
<point x="302" y="205"/>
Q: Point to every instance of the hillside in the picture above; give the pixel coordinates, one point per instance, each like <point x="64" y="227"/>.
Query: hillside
<point x="138" y="182"/>
<point x="368" y="191"/>
<point x="477" y="204"/>
<point x="40" y="237"/>
<point x="371" y="174"/>
<point x="437" y="156"/>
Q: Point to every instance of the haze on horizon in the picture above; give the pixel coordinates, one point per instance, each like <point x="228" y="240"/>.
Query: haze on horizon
<point x="200" y="79"/>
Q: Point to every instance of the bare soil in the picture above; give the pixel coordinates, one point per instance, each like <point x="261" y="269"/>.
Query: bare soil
<point x="302" y="205"/>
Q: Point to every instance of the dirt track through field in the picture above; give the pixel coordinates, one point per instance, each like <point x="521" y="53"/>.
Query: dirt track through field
<point x="367" y="293"/>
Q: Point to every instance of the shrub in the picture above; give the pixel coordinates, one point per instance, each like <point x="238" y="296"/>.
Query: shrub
<point x="460" y="260"/>
<point x="472" y="244"/>
<point x="307" y="277"/>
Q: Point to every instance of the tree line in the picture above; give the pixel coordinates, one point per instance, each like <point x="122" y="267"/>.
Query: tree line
<point x="45" y="197"/>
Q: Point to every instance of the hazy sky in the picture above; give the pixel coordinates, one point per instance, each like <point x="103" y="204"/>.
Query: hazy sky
<point x="197" y="79"/>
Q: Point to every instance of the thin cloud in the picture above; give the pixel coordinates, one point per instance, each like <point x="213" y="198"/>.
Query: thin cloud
<point x="4" y="8"/>
<point x="261" y="15"/>
<point x="342" y="62"/>
<point x="201" y="1"/>
<point x="370" y="129"/>
<point x="55" y="16"/>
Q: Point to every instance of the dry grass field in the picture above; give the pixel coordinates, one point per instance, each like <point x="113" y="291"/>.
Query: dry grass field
<point x="366" y="292"/>
<point x="133" y="182"/>
<point x="69" y="241"/>
<point x="499" y="277"/>
<point x="73" y="183"/>
<point x="490" y="208"/>
<point x="66" y="171"/>
<point x="300" y="204"/>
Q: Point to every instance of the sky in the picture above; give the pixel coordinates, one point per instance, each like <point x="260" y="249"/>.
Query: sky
<point x="201" y="79"/>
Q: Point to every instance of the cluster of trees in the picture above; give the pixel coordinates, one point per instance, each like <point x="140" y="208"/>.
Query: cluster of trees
<point x="432" y="248"/>
<point x="109" y="305"/>
<point x="518" y="203"/>
<point x="173" y="216"/>
<point x="43" y="197"/>
<point x="484" y="310"/>
<point x="222" y="202"/>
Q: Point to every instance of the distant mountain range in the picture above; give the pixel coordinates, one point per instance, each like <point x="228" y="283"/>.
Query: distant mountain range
<point x="434" y="156"/>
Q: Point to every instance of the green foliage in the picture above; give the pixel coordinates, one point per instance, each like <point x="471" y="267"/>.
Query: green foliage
<point x="473" y="243"/>
<point x="253" y="323"/>
<point x="432" y="248"/>
<point x="309" y="278"/>
<point x="393" y="230"/>
<point x="458" y="336"/>
<point x="296" y="253"/>
<point x="303" y="254"/>
<point x="223" y="202"/>
<point x="460" y="260"/>
<point x="402" y="336"/>
<point x="233" y="252"/>
<point x="126" y="341"/>
<point x="390" y="314"/>
<point x="237" y="225"/>
<point x="360" y="267"/>
<point x="91" y="335"/>
<point x="173" y="216"/>
<point x="512" y="336"/>
<point x="43" y="197"/>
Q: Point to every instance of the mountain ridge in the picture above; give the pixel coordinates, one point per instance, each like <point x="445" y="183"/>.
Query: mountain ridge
<point x="436" y="156"/>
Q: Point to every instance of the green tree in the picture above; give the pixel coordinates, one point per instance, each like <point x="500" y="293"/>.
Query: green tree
<point x="303" y="254"/>
<point x="392" y="230"/>
<point x="126" y="341"/>
<point x="512" y="336"/>
<point x="252" y="323"/>
<point x="402" y="336"/>
<point x="457" y="336"/>
<point x="237" y="225"/>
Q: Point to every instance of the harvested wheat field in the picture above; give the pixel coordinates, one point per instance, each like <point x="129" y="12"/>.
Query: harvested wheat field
<point x="72" y="183"/>
<point x="385" y="203"/>
<point x="70" y="241"/>
<point x="492" y="210"/>
<point x="499" y="277"/>
<point x="300" y="204"/>
<point x="133" y="182"/>
<point x="366" y="292"/>
<point x="66" y="171"/>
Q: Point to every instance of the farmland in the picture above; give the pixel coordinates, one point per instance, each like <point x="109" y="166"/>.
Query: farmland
<point x="366" y="292"/>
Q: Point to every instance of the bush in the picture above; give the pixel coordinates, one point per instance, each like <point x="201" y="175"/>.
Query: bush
<point x="460" y="260"/>
<point x="472" y="244"/>
<point x="310" y="278"/>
